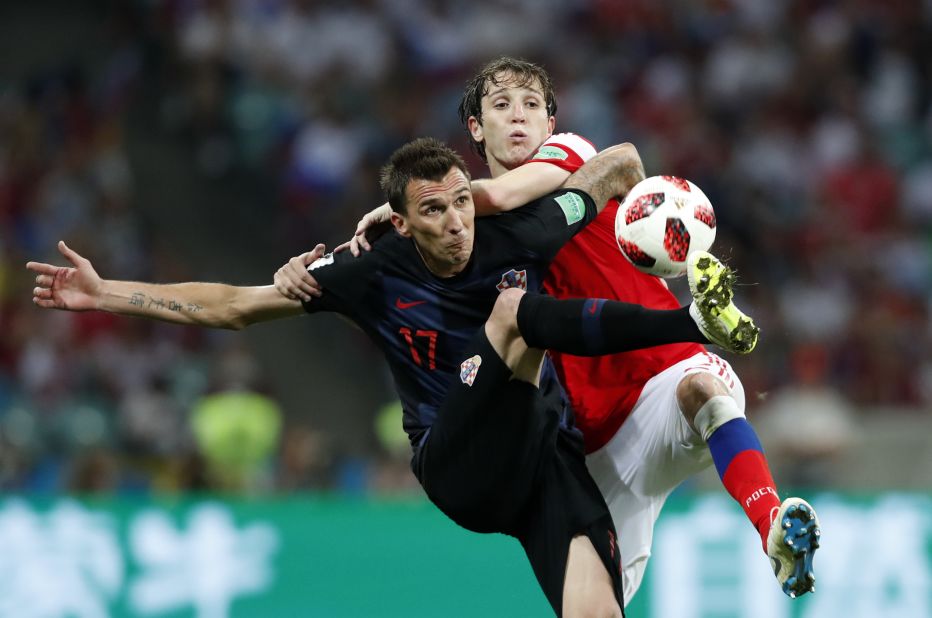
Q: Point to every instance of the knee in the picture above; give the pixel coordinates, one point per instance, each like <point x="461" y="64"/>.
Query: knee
<point x="695" y="390"/>
<point x="504" y="318"/>
<point x="502" y="330"/>
<point x="706" y="403"/>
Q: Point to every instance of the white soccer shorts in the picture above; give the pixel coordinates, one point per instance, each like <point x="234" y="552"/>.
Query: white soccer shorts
<point x="651" y="454"/>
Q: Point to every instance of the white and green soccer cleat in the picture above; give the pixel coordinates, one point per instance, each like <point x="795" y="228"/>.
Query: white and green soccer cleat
<point x="793" y="539"/>
<point x="719" y="320"/>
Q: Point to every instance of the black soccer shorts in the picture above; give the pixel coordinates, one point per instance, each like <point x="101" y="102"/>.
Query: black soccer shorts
<point x="497" y="460"/>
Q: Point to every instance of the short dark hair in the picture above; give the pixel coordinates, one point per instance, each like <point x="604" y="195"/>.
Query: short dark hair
<point x="425" y="158"/>
<point x="518" y="71"/>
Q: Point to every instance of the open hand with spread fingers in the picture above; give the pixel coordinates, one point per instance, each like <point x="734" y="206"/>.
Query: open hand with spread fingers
<point x="75" y="288"/>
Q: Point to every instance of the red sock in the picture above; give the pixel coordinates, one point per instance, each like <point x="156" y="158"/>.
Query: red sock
<point x="748" y="480"/>
<point x="740" y="461"/>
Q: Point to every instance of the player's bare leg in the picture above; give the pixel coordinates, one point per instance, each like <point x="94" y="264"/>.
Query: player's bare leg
<point x="587" y="588"/>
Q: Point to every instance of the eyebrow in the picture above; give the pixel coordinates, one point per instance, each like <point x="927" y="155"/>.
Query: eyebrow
<point x="430" y="201"/>
<point x="495" y="93"/>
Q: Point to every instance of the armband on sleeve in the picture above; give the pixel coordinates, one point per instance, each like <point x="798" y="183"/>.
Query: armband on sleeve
<point x="567" y="151"/>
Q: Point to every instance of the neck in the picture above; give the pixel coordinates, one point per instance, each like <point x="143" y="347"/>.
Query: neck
<point x="496" y="169"/>
<point x="439" y="268"/>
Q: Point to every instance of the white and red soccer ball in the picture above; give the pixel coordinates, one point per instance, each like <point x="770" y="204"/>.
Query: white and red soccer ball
<point x="661" y="221"/>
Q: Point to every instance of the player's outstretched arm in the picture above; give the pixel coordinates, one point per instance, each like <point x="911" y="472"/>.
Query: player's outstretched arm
<point x="516" y="188"/>
<point x="80" y="288"/>
<point x="611" y="173"/>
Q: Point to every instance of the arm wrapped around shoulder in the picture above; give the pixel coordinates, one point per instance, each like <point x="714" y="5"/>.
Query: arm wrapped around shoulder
<point x="611" y="173"/>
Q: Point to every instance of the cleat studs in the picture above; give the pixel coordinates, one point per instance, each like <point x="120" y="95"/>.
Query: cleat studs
<point x="789" y="542"/>
<point x="803" y="509"/>
<point x="812" y="588"/>
<point x="817" y="533"/>
<point x="704" y="263"/>
<point x="787" y="524"/>
<point x="811" y="578"/>
<point x="792" y="595"/>
<point x="792" y="510"/>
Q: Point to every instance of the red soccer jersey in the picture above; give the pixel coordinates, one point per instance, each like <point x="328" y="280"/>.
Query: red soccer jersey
<point x="603" y="389"/>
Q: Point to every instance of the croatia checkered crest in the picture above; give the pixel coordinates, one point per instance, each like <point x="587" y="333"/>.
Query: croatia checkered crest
<point x="661" y="221"/>
<point x="469" y="368"/>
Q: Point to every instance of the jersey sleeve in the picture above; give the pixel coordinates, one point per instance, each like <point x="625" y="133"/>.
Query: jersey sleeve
<point x="345" y="281"/>
<point x="547" y="224"/>
<point x="567" y="151"/>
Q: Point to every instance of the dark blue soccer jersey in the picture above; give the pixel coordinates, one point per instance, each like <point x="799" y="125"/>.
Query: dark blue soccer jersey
<point x="422" y="322"/>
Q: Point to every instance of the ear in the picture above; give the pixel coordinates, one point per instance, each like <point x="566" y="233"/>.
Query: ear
<point x="475" y="128"/>
<point x="401" y="224"/>
<point x="551" y="125"/>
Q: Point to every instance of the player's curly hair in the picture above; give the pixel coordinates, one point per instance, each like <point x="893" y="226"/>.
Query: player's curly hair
<point x="504" y="70"/>
<point x="425" y="158"/>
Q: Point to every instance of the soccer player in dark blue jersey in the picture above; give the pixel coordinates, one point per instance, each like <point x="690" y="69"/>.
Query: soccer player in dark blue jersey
<point x="445" y="300"/>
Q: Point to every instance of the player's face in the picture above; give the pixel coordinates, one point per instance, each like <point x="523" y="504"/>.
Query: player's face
<point x="439" y="217"/>
<point x="514" y="123"/>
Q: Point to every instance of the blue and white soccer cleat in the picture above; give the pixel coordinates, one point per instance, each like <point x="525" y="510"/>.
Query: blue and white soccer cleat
<point x="793" y="539"/>
<point x="719" y="320"/>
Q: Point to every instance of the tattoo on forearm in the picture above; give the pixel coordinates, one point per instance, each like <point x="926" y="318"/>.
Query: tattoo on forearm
<point x="139" y="299"/>
<point x="605" y="177"/>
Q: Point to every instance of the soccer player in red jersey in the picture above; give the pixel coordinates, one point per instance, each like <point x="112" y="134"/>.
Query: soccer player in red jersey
<point x="652" y="417"/>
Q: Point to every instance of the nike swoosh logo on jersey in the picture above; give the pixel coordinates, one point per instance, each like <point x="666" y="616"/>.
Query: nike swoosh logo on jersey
<point x="407" y="305"/>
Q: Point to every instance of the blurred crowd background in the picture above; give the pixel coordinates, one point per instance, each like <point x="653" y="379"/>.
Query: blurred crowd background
<point x="172" y="140"/>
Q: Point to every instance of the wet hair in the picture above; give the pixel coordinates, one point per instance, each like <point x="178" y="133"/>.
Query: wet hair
<point x="499" y="72"/>
<point x="422" y="159"/>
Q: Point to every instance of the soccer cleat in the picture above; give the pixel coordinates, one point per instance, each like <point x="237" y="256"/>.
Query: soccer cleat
<point x="793" y="539"/>
<point x="719" y="320"/>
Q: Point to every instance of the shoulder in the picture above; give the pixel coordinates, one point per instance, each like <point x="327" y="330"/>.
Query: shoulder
<point x="384" y="250"/>
<point x="352" y="285"/>
<point x="346" y="271"/>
